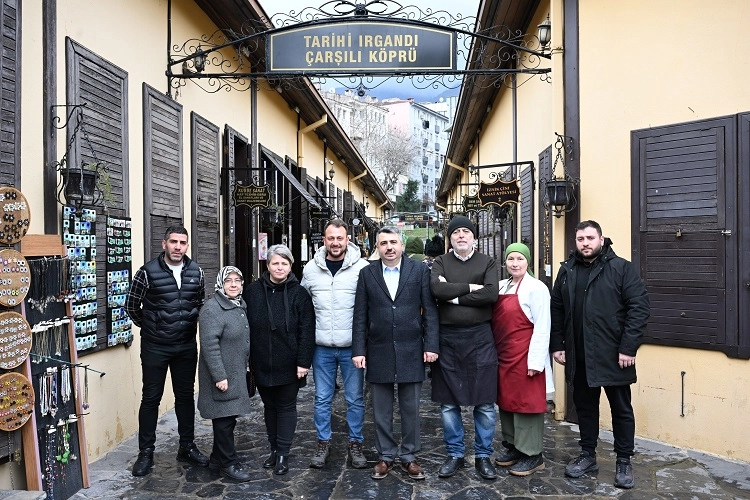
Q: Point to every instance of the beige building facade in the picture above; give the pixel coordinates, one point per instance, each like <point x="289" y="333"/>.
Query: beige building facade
<point x="657" y="146"/>
<point x="176" y="152"/>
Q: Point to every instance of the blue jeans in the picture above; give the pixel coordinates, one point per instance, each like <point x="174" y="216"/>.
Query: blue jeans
<point x="326" y="361"/>
<point x="453" y="430"/>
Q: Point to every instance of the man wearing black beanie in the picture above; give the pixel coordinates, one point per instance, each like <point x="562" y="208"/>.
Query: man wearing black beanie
<point x="465" y="284"/>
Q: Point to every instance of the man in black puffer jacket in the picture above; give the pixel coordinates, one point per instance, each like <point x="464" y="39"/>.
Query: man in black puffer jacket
<point x="600" y="309"/>
<point x="164" y="301"/>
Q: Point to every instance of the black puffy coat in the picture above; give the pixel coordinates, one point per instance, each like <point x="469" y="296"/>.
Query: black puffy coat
<point x="615" y="313"/>
<point x="282" y="329"/>
<point x="170" y="314"/>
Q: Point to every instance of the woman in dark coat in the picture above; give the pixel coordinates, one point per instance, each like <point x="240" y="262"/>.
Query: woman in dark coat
<point x="283" y="341"/>
<point x="224" y="354"/>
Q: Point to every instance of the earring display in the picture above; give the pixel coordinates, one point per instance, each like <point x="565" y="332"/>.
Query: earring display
<point x="79" y="236"/>
<point x="15" y="277"/>
<point x="119" y="259"/>
<point x="15" y="340"/>
<point x="16" y="215"/>
<point x="16" y="401"/>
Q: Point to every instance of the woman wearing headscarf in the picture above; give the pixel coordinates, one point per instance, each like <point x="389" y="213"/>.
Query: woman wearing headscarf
<point x="282" y="322"/>
<point x="521" y="326"/>
<point x="225" y="350"/>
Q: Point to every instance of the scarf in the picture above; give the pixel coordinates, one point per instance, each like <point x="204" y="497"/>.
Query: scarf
<point x="223" y="273"/>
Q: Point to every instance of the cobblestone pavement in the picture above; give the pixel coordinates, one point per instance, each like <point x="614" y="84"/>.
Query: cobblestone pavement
<point x="661" y="472"/>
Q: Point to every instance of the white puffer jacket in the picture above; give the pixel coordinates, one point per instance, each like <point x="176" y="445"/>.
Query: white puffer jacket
<point x="333" y="296"/>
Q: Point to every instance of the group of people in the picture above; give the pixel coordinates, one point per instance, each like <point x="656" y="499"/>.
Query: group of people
<point x="488" y="342"/>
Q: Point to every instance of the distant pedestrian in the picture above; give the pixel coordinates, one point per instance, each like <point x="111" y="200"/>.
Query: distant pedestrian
<point x="224" y="355"/>
<point x="521" y="323"/>
<point x="282" y="333"/>
<point x="433" y="248"/>
<point x="465" y="284"/>
<point x="331" y="279"/>
<point x="395" y="332"/>
<point x="414" y="248"/>
<point x="164" y="301"/>
<point x="600" y="309"/>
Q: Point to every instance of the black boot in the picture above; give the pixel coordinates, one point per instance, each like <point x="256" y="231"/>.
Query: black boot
<point x="144" y="462"/>
<point x="270" y="462"/>
<point x="282" y="465"/>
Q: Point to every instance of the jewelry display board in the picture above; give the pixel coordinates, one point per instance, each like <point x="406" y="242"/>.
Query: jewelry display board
<point x="14" y="277"/>
<point x="16" y="215"/>
<point x="16" y="401"/>
<point x="55" y="453"/>
<point x="15" y="341"/>
<point x="79" y="236"/>
<point x="119" y="267"/>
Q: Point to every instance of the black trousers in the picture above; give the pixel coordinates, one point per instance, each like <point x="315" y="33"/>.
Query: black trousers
<point x="586" y="400"/>
<point x="181" y="360"/>
<point x="280" y="414"/>
<point x="223" y="451"/>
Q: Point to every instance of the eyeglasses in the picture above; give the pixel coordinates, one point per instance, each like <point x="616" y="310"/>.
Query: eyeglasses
<point x="230" y="281"/>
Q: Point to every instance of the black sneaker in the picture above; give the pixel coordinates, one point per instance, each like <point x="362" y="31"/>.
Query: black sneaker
<point x="192" y="454"/>
<point x="508" y="457"/>
<point x="624" y="474"/>
<point x="144" y="462"/>
<point x="581" y="465"/>
<point x="527" y="465"/>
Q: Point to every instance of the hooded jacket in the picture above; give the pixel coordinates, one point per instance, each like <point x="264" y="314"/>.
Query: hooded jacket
<point x="414" y="248"/>
<point x="615" y="314"/>
<point x="282" y="329"/>
<point x="333" y="296"/>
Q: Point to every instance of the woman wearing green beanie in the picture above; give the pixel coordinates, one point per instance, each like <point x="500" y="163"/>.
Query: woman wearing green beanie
<point x="521" y="326"/>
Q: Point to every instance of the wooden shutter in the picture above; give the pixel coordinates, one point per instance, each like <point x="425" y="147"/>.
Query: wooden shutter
<point x="101" y="88"/>
<point x="684" y="229"/>
<point x="526" y="211"/>
<point x="205" y="160"/>
<point x="10" y="72"/>
<point x="162" y="167"/>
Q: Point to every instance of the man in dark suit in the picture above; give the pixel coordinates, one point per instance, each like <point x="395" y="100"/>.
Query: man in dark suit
<point x="394" y="333"/>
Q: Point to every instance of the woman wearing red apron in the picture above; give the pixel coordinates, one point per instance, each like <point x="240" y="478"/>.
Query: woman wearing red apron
<point x="521" y="326"/>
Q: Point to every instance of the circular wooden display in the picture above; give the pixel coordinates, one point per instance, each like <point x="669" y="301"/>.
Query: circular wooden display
<point x="16" y="216"/>
<point x="16" y="400"/>
<point x="15" y="277"/>
<point x="15" y="340"/>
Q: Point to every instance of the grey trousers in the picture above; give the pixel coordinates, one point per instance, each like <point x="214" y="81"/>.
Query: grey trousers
<point x="408" y="403"/>
<point x="525" y="431"/>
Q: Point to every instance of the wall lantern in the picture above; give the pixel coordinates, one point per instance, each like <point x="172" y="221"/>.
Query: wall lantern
<point x="272" y="215"/>
<point x="79" y="186"/>
<point x="559" y="192"/>
<point x="545" y="33"/>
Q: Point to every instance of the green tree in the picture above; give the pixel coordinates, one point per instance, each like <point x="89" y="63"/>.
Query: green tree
<point x="409" y="201"/>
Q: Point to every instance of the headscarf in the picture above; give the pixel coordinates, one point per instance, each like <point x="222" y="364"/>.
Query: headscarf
<point x="223" y="273"/>
<point x="523" y="250"/>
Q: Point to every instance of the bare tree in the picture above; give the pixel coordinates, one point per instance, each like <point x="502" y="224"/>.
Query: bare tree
<point x="389" y="155"/>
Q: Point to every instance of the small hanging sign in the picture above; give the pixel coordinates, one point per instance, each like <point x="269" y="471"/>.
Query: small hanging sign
<point x="498" y="193"/>
<point x="251" y="196"/>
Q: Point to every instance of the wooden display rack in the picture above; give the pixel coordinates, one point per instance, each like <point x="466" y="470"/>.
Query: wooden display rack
<point x="33" y="245"/>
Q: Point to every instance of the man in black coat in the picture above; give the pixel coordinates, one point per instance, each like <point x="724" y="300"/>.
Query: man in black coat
<point x="164" y="301"/>
<point x="600" y="310"/>
<point x="394" y="333"/>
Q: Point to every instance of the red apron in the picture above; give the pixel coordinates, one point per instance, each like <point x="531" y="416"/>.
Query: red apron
<point x="516" y="391"/>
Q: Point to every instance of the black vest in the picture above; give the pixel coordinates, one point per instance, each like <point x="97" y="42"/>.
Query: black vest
<point x="170" y="315"/>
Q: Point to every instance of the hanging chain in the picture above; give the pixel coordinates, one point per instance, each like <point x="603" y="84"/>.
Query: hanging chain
<point x="559" y="146"/>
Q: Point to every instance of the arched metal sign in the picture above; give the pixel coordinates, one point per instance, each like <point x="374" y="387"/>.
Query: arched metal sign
<point x="353" y="44"/>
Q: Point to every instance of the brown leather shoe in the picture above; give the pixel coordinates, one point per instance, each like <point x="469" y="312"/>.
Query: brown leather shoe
<point x="413" y="469"/>
<point x="381" y="469"/>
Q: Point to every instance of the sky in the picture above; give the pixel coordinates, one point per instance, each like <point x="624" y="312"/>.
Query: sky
<point x="390" y="88"/>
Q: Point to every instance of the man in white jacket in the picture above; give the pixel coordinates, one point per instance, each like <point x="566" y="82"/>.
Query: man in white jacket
<point x="331" y="279"/>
